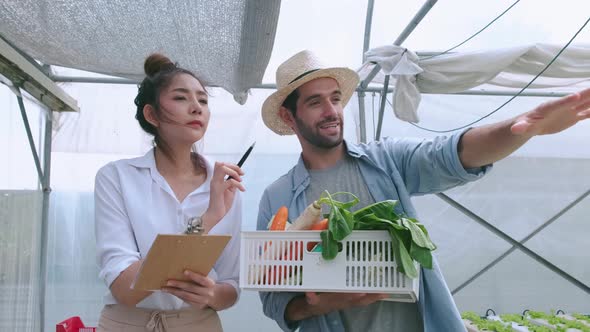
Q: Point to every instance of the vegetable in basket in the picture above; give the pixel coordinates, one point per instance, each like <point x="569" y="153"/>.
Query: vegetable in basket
<point x="309" y="219"/>
<point x="311" y="214"/>
<point x="410" y="240"/>
<point x="279" y="222"/>
<point x="318" y="226"/>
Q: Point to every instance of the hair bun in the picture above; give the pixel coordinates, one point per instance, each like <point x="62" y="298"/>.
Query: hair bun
<point x="156" y="63"/>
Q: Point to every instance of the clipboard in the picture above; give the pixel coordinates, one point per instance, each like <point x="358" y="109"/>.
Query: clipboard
<point x="172" y="254"/>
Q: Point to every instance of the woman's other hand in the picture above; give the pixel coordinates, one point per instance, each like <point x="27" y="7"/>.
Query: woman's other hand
<point x="199" y="292"/>
<point x="222" y="192"/>
<point x="202" y="292"/>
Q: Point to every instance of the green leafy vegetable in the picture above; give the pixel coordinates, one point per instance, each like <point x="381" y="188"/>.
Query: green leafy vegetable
<point x="405" y="263"/>
<point x="329" y="245"/>
<point x="418" y="236"/>
<point x="421" y="255"/>
<point x="410" y="240"/>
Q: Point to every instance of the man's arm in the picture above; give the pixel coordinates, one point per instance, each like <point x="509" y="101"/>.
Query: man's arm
<point x="487" y="144"/>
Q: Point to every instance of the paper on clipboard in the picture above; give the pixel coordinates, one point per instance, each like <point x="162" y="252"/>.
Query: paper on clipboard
<point x="172" y="254"/>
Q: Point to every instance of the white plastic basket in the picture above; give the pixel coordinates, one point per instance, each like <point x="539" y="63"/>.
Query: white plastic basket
<point x="281" y="261"/>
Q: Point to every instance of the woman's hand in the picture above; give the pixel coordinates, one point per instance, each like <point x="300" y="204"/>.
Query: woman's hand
<point x="222" y="192"/>
<point x="199" y="292"/>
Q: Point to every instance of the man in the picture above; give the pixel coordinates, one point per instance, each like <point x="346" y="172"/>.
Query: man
<point x="308" y="102"/>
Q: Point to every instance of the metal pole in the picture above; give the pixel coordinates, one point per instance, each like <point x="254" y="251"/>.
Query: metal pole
<point x="514" y="243"/>
<point x="361" y="90"/>
<point x="382" y="107"/>
<point x="23" y="113"/>
<point x="363" y="131"/>
<point x="106" y="80"/>
<point x="402" y="37"/>
<point x="523" y="241"/>
<point x="506" y="93"/>
<point x="368" y="25"/>
<point x="426" y="7"/>
<point x="46" y="185"/>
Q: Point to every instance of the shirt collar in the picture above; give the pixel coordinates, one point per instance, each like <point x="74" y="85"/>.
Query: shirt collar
<point x="301" y="175"/>
<point x="148" y="160"/>
<point x="354" y="150"/>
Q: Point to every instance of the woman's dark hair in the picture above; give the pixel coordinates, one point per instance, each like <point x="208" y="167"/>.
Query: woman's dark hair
<point x="159" y="71"/>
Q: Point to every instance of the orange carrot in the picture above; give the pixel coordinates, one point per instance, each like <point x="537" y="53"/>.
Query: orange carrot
<point x="320" y="225"/>
<point x="280" y="220"/>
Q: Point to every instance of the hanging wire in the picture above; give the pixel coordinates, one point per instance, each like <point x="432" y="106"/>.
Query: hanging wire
<point x="475" y="34"/>
<point x="511" y="98"/>
<point x="373" y="112"/>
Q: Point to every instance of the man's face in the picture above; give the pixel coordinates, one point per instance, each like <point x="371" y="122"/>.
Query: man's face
<point x="319" y="118"/>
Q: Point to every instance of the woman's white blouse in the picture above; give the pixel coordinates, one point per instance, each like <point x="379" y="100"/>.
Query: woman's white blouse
<point x="134" y="203"/>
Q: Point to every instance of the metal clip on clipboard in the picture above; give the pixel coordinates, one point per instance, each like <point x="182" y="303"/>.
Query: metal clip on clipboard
<point x="194" y="226"/>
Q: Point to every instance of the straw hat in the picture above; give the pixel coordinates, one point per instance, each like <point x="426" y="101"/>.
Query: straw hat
<point x="293" y="73"/>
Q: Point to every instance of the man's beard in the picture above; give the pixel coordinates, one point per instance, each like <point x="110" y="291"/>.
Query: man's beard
<point x="310" y="134"/>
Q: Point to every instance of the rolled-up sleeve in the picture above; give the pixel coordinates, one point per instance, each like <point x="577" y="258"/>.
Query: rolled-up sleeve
<point x="274" y="304"/>
<point x="115" y="240"/>
<point x="227" y="266"/>
<point x="429" y="166"/>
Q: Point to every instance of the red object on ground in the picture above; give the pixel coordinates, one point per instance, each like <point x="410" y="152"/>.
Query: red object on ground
<point x="73" y="324"/>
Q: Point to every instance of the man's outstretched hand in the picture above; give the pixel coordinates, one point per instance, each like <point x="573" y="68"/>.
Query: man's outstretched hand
<point x="554" y="116"/>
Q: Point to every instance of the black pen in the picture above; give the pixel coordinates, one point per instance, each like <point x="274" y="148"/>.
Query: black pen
<point x="243" y="159"/>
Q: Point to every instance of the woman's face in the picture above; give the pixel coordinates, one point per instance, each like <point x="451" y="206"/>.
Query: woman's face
<point x="184" y="111"/>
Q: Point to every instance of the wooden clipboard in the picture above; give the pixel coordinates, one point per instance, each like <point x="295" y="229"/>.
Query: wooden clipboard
<point x="172" y="254"/>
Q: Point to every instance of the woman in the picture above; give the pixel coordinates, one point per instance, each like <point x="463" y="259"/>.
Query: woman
<point x="136" y="199"/>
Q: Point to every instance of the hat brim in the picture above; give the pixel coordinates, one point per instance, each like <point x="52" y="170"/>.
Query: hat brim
<point x="347" y="80"/>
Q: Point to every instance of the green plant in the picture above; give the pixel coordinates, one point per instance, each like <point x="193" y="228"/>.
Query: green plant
<point x="582" y="317"/>
<point x="524" y="322"/>
<point x="560" y="323"/>
<point x="484" y="324"/>
<point x="409" y="237"/>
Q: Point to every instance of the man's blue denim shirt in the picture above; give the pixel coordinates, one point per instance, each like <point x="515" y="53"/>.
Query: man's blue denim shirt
<point x="393" y="169"/>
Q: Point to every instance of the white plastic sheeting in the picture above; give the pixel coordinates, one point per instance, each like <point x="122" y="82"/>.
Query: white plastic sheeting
<point x="227" y="43"/>
<point x="20" y="211"/>
<point x="519" y="195"/>
<point x="456" y="72"/>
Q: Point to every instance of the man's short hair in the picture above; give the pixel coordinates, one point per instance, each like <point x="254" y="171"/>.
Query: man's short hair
<point x="290" y="102"/>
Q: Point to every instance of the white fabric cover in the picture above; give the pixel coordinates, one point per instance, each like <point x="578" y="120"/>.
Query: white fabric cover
<point x="457" y="72"/>
<point x="227" y="42"/>
<point x="20" y="256"/>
